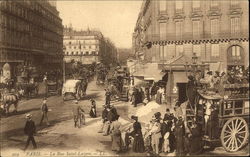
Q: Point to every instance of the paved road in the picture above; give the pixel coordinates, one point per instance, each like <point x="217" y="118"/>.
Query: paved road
<point x="62" y="135"/>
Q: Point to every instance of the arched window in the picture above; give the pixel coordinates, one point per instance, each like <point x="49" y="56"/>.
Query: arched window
<point x="235" y="55"/>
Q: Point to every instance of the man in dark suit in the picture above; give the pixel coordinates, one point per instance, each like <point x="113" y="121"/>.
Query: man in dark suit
<point x="30" y="130"/>
<point x="44" y="109"/>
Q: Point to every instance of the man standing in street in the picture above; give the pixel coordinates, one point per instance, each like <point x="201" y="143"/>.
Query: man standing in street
<point x="108" y="97"/>
<point x="78" y="114"/>
<point x="45" y="110"/>
<point x="30" y="130"/>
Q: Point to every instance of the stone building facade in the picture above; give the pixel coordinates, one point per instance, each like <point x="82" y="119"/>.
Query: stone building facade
<point x="31" y="33"/>
<point x="88" y="46"/>
<point x="169" y="33"/>
<point x="217" y="31"/>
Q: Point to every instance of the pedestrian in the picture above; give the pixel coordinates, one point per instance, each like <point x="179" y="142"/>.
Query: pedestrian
<point x="108" y="97"/>
<point x="167" y="114"/>
<point x="165" y="131"/>
<point x="104" y="118"/>
<point x="156" y="134"/>
<point x="133" y="97"/>
<point x="30" y="130"/>
<point x="116" y="138"/>
<point x="138" y="145"/>
<point x="179" y="136"/>
<point x="92" y="112"/>
<point x="107" y="124"/>
<point x="195" y="139"/>
<point x="147" y="91"/>
<point x="44" y="109"/>
<point x="78" y="114"/>
<point x="191" y="90"/>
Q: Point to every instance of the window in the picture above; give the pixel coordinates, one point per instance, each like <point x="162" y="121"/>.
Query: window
<point x="87" y="53"/>
<point x="161" y="52"/>
<point x="214" y="27"/>
<point x="178" y="5"/>
<point x="163" y="5"/>
<point x="196" y="29"/>
<point x="178" y="29"/>
<point x="235" y="25"/>
<point x="197" y="49"/>
<point x="179" y="50"/>
<point x="93" y="52"/>
<point x="196" y="4"/>
<point x="163" y="28"/>
<point x="215" y="50"/>
<point x="235" y="51"/>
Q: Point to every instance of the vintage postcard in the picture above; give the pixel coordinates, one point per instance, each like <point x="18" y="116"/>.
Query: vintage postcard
<point x="124" y="78"/>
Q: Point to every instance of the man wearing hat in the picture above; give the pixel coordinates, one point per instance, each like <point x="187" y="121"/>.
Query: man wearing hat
<point x="78" y="114"/>
<point x="44" y="109"/>
<point x="108" y="97"/>
<point x="104" y="118"/>
<point x="30" y="130"/>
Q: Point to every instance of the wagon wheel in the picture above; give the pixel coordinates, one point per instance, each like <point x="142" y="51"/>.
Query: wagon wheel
<point x="234" y="134"/>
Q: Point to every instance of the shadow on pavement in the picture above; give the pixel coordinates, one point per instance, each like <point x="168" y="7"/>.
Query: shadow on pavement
<point x="21" y="112"/>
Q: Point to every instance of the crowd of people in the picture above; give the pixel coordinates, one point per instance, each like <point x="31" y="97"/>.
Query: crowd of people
<point x="161" y="135"/>
<point x="147" y="93"/>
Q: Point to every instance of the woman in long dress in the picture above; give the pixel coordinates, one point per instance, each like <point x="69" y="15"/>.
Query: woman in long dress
<point x="116" y="135"/>
<point x="179" y="136"/>
<point x="138" y="145"/>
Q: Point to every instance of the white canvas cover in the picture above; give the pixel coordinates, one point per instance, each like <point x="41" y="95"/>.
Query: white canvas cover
<point x="70" y="86"/>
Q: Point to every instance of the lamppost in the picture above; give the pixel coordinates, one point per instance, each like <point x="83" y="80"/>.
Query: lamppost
<point x="194" y="67"/>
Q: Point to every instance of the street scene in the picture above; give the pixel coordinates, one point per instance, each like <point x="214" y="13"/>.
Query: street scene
<point x="124" y="78"/>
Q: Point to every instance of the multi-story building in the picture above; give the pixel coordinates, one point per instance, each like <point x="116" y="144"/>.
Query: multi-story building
<point x="88" y="47"/>
<point x="31" y="33"/>
<point x="170" y="32"/>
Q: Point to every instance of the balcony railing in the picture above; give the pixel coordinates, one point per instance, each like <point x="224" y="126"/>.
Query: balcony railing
<point x="204" y="36"/>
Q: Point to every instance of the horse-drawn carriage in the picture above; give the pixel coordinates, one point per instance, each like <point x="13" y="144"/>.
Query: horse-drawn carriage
<point x="224" y="116"/>
<point x="75" y="87"/>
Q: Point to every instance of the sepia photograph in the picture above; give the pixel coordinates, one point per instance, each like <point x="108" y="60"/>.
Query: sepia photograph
<point x="83" y="78"/>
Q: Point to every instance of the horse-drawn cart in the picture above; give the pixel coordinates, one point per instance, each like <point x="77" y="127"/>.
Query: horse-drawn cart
<point x="76" y="87"/>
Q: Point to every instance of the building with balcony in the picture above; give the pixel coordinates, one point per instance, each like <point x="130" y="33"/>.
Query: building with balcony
<point x="88" y="46"/>
<point x="31" y="34"/>
<point x="170" y="32"/>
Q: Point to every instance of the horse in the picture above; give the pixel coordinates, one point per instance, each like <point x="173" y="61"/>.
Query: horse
<point x="28" y="88"/>
<point x="7" y="99"/>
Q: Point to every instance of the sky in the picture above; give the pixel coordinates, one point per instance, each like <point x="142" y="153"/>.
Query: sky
<point x="116" y="19"/>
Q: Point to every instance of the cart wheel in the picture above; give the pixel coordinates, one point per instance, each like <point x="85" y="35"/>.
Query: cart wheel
<point x="234" y="134"/>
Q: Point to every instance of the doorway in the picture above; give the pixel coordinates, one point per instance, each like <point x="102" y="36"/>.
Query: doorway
<point x="182" y="96"/>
